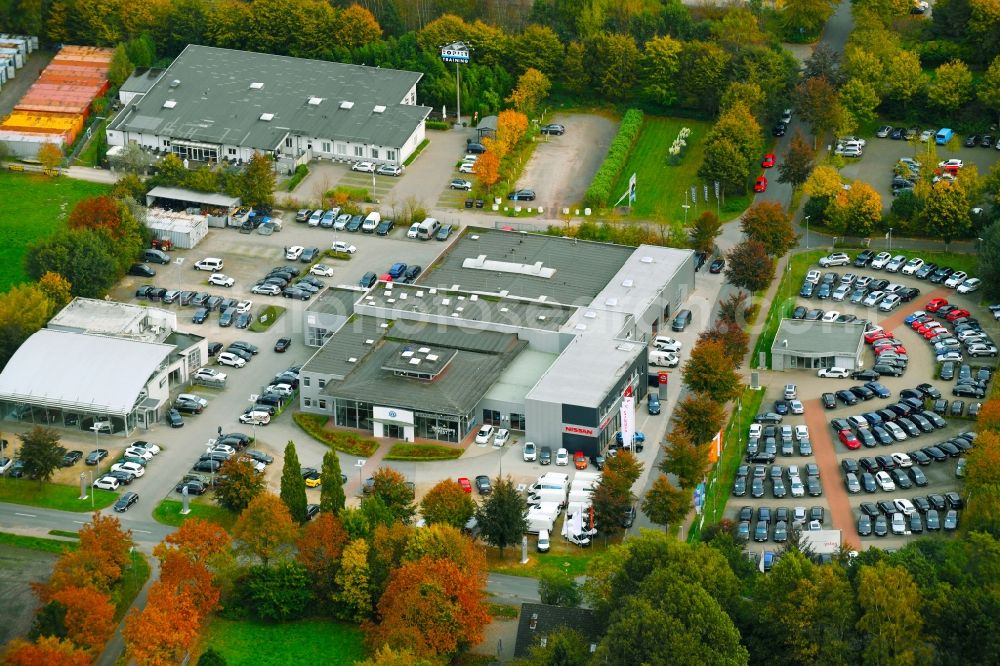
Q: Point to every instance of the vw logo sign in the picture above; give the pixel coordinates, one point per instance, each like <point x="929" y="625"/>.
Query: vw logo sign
<point x="392" y="413"/>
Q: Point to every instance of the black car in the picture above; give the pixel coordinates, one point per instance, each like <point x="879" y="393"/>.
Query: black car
<point x="864" y="525"/>
<point x="71" y="458"/>
<point x="881" y="526"/>
<point x="522" y="195"/>
<point x="545" y="455"/>
<point x="864" y="258"/>
<point x="483" y="485"/>
<point x="368" y="280"/>
<point x="940" y="275"/>
<point x="312" y="510"/>
<point x="865" y="375"/>
<point x="932" y="520"/>
<point x="207" y="466"/>
<point x="555" y="129"/>
<point x="779" y="129"/>
<point x="142" y="270"/>
<point x="188" y="406"/>
<point x="986" y="141"/>
<point x="717" y="265"/>
<point x="829" y="401"/>
<point x="935" y="453"/>
<point x="96" y="456"/>
<point x="384" y="227"/>
<point x="125" y="501"/>
<point x="282" y="345"/>
<point x="807" y="290"/>
<point x="124" y="478"/>
<point x="870" y="509"/>
<point x="355" y="223"/>
<point x="925" y="271"/>
<point x="412" y="271"/>
<point x="175" y="419"/>
<point x="847" y="397"/>
<point x="194" y="487"/>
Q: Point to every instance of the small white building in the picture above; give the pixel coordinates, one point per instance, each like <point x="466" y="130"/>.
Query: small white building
<point x="184" y="230"/>
<point x="809" y="345"/>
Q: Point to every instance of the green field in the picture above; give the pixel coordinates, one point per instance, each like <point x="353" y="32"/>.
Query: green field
<point x="32" y="207"/>
<point x="784" y="301"/>
<point x="53" y="496"/>
<point x="266" y="644"/>
<point x="660" y="187"/>
<point x="168" y="512"/>
<point x="42" y="544"/>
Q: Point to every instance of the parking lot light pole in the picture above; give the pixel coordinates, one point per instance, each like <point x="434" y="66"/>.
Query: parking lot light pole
<point x="685" y="207"/>
<point x="807" y="232"/>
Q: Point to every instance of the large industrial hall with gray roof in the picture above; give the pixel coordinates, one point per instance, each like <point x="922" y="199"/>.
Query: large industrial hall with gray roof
<point x="511" y="329"/>
<point x="213" y="105"/>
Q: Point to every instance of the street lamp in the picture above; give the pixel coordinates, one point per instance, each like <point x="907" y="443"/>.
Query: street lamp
<point x="685" y="207"/>
<point x="888" y="237"/>
<point x="807" y="232"/>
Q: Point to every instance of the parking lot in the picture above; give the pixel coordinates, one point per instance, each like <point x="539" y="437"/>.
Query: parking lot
<point x="919" y="477"/>
<point x="881" y="156"/>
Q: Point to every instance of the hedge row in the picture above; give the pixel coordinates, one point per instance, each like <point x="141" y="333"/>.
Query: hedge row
<point x="348" y="442"/>
<point x="423" y="452"/>
<point x="301" y="171"/>
<point x="437" y="125"/>
<point x="599" y="192"/>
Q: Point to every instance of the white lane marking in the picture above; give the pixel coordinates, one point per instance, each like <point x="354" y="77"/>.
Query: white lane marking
<point x="26" y="515"/>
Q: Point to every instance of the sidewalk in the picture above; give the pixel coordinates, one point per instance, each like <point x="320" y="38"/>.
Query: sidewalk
<point x="115" y="647"/>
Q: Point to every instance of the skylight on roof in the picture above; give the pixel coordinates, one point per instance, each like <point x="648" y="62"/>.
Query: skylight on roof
<point x="315" y="101"/>
<point x="169" y="104"/>
<point x="256" y="85"/>
<point x="267" y="116"/>
<point x="379" y="108"/>
<point x="346" y="105"/>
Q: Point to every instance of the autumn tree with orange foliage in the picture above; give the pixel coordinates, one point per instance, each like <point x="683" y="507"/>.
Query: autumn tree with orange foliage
<point x="46" y="651"/>
<point x="487" y="169"/>
<point x="355" y="26"/>
<point x="90" y="616"/>
<point x="161" y="633"/>
<point x="989" y="416"/>
<point x="511" y="126"/>
<point x="50" y="155"/>
<point x="96" y="213"/>
<point x="430" y="607"/>
<point x="265" y="529"/>
<point x="200" y="539"/>
<point x="320" y="547"/>
<point x="99" y="562"/>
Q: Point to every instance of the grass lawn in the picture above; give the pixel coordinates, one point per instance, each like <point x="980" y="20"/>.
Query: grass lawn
<point x="732" y="454"/>
<point x="960" y="262"/>
<point x="32" y="207"/>
<point x="56" y="546"/>
<point x="53" y="496"/>
<point x="562" y="556"/>
<point x="266" y="318"/>
<point x="784" y="301"/>
<point x="168" y="512"/>
<point x="266" y="644"/>
<point x="660" y="187"/>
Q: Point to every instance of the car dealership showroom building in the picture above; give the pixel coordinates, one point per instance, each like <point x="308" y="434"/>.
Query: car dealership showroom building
<point x="530" y="332"/>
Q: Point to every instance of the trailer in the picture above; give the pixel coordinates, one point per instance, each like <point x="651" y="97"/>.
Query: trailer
<point x="542" y="517"/>
<point x="555" y="495"/>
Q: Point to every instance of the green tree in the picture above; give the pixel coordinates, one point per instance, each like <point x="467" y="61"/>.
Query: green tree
<point x="614" y="62"/>
<point x="501" y="517"/>
<point x="564" y="647"/>
<point x="798" y="161"/>
<point x="40" y="453"/>
<point x="239" y="483"/>
<point x="84" y="257"/>
<point x="856" y="211"/>
<point x="293" y="485"/>
<point x="279" y="593"/>
<point x="24" y="309"/>
<point x="748" y="93"/>
<point x="819" y="105"/>
<point x="860" y="99"/>
<point x="537" y="47"/>
<point x="989" y="261"/>
<point x="331" y="490"/>
<point x="988" y="90"/>
<point x="558" y="588"/>
<point x="749" y="266"/>
<point x="951" y="86"/>
<point x="354" y="601"/>
<point x="391" y="487"/>
<point x="574" y="73"/>
<point x="946" y="211"/>
<point x="659" y="63"/>
<point x="612" y="498"/>
<point x="809" y="16"/>
<point x="257" y="182"/>
<point x="704" y="231"/>
<point x="448" y="503"/>
<point x="265" y="530"/>
<point x="709" y="371"/>
<point x="701" y="74"/>
<point x="725" y="162"/>
<point x="701" y="416"/>
<point x="684" y="459"/>
<point x="891" y="622"/>
<point x="211" y="658"/>
<point x="120" y="68"/>
<point x="903" y="78"/>
<point x="768" y="223"/>
<point x="665" y="504"/>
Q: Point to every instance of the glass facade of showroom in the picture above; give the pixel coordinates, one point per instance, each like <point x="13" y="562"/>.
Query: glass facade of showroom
<point x="440" y="427"/>
<point x="61" y="416"/>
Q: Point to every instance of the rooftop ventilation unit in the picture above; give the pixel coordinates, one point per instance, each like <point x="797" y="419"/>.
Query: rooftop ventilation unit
<point x="169" y="104"/>
<point x="414" y="361"/>
<point x="369" y="341"/>
<point x="346" y="105"/>
<point x="407" y="354"/>
<point x="646" y="260"/>
<point x="611" y="302"/>
<point x="432" y="357"/>
<point x="424" y="350"/>
<point x="256" y="85"/>
<point x="267" y="117"/>
<point x="628" y="283"/>
<point x="315" y="101"/>
<point x="352" y="359"/>
<point x="379" y="109"/>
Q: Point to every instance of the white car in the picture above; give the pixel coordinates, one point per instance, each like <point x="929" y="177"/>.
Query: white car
<point x="294" y="252"/>
<point x="902" y="459"/>
<point x="367" y="167"/>
<point x="969" y="286"/>
<point x="221" y="280"/>
<point x="211" y="374"/>
<point x="562" y="457"/>
<point x="904" y="506"/>
<point x="484" y="435"/>
<point x="895" y="264"/>
<point x="951" y="164"/>
<point x="106" y="483"/>
<point x="663" y="343"/>
<point x="801" y="432"/>
<point x="795" y="407"/>
<point x="841" y="292"/>
<point x="343" y="246"/>
<point x="897" y="433"/>
<point x="255" y="418"/>
<point x="232" y="360"/>
<point x="466" y="168"/>
<point x="910" y="162"/>
<point x="873" y="299"/>
<point x="853" y="139"/>
<point x="130" y="467"/>
<point x="890" y="303"/>
<point x="848" y="150"/>
<point x="835" y="259"/>
<point x="341" y="222"/>
<point x="213" y="264"/>
<point x="948" y="356"/>
<point x="529" y="452"/>
<point x="244" y="306"/>
<point x="798" y="490"/>
<point x="956" y="279"/>
<point x="912" y="266"/>
<point x="926" y="135"/>
<point x="813" y="276"/>
<point x="265" y="289"/>
<point x="830" y="316"/>
<point x="880" y="260"/>
<point x="225" y="448"/>
<point x="981" y="349"/>
<point x="322" y="270"/>
<point x="884" y="481"/>
<point x="786" y="116"/>
<point x="281" y="389"/>
<point x="833" y="373"/>
<point x="664" y="359"/>
<point x="501" y="438"/>
<point x="148" y="446"/>
<point x="756" y="429"/>
<point x="413" y="231"/>
<point x="136" y="452"/>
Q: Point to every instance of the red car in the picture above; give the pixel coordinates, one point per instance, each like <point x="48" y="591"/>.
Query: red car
<point x="875" y="334"/>
<point x="849" y="439"/>
<point x="933" y="332"/>
<point x="465" y="483"/>
<point x="928" y="326"/>
<point x="761" y="184"/>
<point x="579" y="460"/>
<point x="768" y="161"/>
<point x="955" y="314"/>
<point x="935" y="303"/>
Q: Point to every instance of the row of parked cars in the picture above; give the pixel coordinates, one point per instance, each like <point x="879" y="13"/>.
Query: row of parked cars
<point x="272" y="397"/>
<point x="905" y="419"/>
<point x="286" y="281"/>
<point x="777" y="523"/>
<point x="915" y="266"/>
<point x="227" y="446"/>
<point x="126" y="469"/>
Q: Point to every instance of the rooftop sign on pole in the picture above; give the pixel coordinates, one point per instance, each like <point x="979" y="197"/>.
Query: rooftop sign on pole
<point x="455" y="52"/>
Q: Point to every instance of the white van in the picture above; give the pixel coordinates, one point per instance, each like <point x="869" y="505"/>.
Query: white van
<point x="371" y="222"/>
<point x="255" y="418"/>
<point x="428" y="228"/>
<point x="213" y="264"/>
<point x="663" y="359"/>
<point x="543" y="541"/>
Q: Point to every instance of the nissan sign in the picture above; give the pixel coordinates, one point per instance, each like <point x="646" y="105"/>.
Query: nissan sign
<point x="578" y="430"/>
